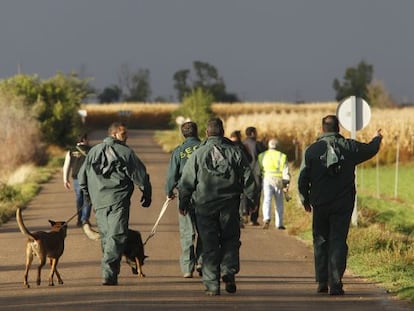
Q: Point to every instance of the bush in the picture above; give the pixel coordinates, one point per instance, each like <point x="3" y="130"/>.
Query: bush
<point x="54" y="102"/>
<point x="8" y="193"/>
<point x="20" y="133"/>
<point x="196" y="107"/>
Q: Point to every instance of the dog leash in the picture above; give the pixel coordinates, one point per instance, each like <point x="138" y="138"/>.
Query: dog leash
<point x="154" y="228"/>
<point x="74" y="215"/>
<point x="162" y="212"/>
<point x="67" y="221"/>
<point x="86" y="227"/>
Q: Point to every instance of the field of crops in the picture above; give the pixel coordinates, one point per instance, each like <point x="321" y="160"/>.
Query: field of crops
<point x="295" y="125"/>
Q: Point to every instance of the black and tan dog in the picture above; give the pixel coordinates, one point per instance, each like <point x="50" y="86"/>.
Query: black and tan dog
<point x="134" y="252"/>
<point x="43" y="245"/>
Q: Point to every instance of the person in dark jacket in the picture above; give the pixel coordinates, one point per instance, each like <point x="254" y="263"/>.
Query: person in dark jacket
<point x="326" y="186"/>
<point x="73" y="161"/>
<point x="236" y="138"/>
<point x="212" y="181"/>
<point x="107" y="177"/>
<point x="190" y="258"/>
<point x="254" y="147"/>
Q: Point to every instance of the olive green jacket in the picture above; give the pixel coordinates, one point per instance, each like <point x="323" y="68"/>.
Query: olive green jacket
<point x="109" y="173"/>
<point x="179" y="157"/>
<point x="215" y="175"/>
<point x="316" y="186"/>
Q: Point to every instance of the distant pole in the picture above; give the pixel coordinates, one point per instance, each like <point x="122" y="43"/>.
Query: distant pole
<point x="361" y="177"/>
<point x="397" y="160"/>
<point x="354" y="107"/>
<point x="378" y="179"/>
<point x="354" y="114"/>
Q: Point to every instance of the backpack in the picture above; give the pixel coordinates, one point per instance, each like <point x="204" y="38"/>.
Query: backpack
<point x="333" y="159"/>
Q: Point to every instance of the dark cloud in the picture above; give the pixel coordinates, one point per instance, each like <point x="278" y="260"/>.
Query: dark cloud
<point x="265" y="50"/>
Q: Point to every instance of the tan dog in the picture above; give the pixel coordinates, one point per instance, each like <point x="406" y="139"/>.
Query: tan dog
<point x="43" y="245"/>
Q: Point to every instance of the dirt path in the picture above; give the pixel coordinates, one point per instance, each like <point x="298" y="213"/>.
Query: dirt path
<point x="276" y="269"/>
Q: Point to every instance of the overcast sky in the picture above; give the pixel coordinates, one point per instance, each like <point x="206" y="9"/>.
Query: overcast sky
<point x="265" y="50"/>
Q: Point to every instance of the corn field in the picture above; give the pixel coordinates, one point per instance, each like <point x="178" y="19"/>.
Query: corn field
<point x="296" y="129"/>
<point x="294" y="125"/>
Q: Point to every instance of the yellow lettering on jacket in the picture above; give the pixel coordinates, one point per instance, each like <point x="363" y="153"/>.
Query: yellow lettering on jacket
<point x="186" y="153"/>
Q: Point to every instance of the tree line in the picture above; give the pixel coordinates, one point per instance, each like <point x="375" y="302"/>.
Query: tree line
<point x="135" y="86"/>
<point x="54" y="102"/>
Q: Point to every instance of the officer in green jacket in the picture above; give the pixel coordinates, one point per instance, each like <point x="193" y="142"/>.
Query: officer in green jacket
<point x="326" y="185"/>
<point x="107" y="177"/>
<point x="190" y="258"/>
<point x="212" y="181"/>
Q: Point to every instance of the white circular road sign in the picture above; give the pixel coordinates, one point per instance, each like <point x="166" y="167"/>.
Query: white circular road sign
<point x="353" y="113"/>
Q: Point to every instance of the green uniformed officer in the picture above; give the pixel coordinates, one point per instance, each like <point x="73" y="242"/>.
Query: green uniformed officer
<point x="190" y="258"/>
<point x="212" y="181"/>
<point x="107" y="177"/>
<point x="326" y="185"/>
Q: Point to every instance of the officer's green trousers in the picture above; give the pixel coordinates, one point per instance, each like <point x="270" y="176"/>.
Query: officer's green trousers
<point x="219" y="230"/>
<point x="112" y="223"/>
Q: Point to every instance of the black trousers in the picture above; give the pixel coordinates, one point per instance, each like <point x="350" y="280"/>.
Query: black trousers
<point x="330" y="229"/>
<point x="254" y="216"/>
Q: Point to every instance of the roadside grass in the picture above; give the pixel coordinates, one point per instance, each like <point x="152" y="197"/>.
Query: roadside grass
<point x="384" y="256"/>
<point x="387" y="182"/>
<point x="22" y="186"/>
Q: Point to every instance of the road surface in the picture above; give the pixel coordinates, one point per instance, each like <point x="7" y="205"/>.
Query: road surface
<point x="276" y="269"/>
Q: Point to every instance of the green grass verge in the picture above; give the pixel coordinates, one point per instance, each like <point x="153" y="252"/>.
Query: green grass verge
<point x="19" y="194"/>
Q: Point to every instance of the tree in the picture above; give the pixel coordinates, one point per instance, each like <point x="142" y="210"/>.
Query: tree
<point x="20" y="133"/>
<point x="135" y="86"/>
<point x="181" y="83"/>
<point x="355" y="82"/>
<point x="140" y="90"/>
<point x="207" y="75"/>
<point x="57" y="112"/>
<point x="378" y="95"/>
<point x="54" y="103"/>
<point x="196" y="107"/>
<point x="110" y="94"/>
<point x="207" y="78"/>
<point x="124" y="78"/>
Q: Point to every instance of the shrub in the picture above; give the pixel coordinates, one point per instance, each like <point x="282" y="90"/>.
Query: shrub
<point x="54" y="102"/>
<point x="20" y="133"/>
<point x="196" y="107"/>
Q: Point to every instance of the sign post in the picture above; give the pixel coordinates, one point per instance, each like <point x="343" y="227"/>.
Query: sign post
<point x="353" y="114"/>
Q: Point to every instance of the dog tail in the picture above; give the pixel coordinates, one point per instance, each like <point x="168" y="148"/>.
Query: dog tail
<point x="90" y="233"/>
<point x="22" y="227"/>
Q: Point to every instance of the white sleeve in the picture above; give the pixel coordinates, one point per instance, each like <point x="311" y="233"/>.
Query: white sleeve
<point x="285" y="172"/>
<point x="66" y="168"/>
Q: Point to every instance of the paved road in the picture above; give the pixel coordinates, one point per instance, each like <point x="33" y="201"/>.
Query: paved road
<point x="276" y="269"/>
